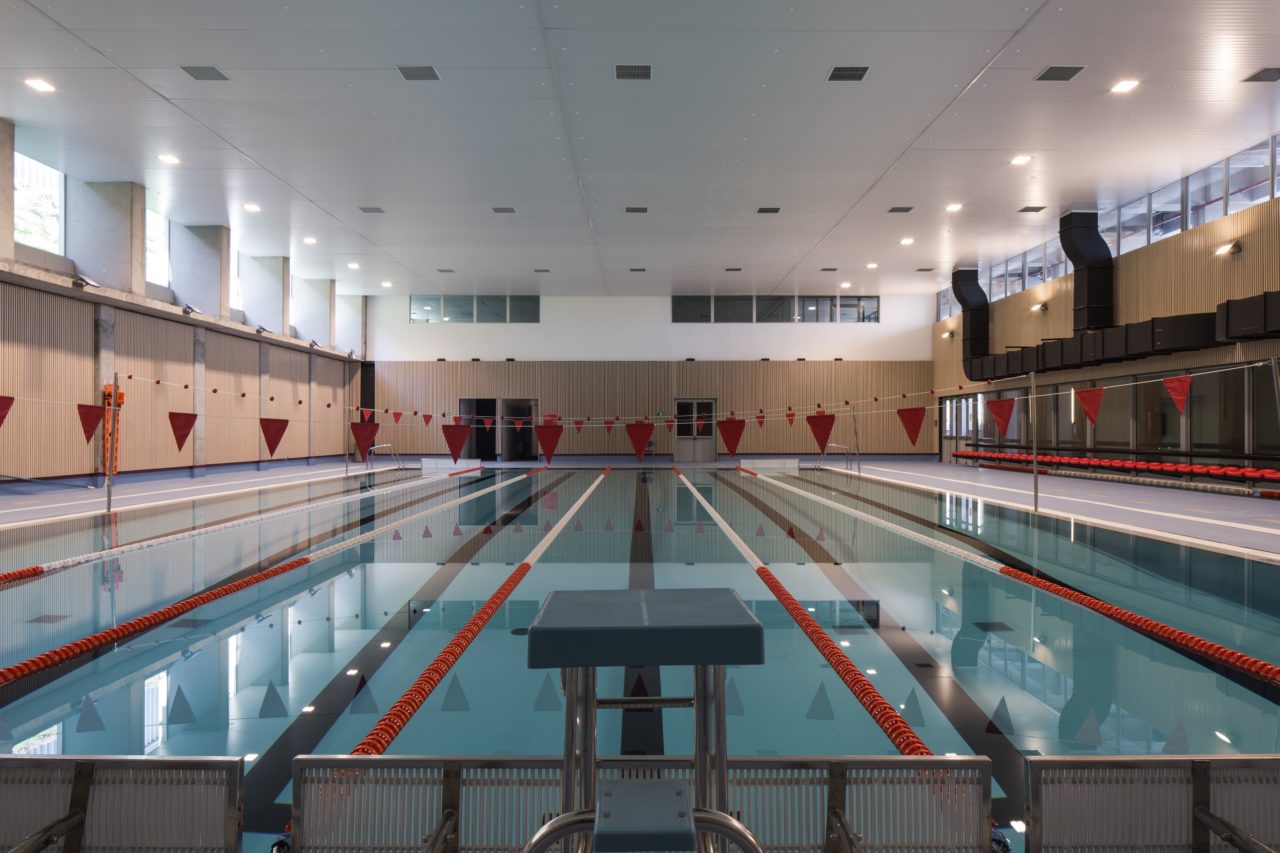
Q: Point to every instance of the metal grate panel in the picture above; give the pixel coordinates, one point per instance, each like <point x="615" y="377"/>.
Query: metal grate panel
<point x="502" y="807"/>
<point x="633" y="72"/>
<point x="848" y="73"/>
<point x="365" y="807"/>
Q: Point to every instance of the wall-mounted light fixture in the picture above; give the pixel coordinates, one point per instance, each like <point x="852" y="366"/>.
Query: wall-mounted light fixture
<point x="262" y="330"/>
<point x="949" y="333"/>
<point x="1232" y="248"/>
<point x="1040" y="306"/>
<point x="81" y="281"/>
<point x="191" y="309"/>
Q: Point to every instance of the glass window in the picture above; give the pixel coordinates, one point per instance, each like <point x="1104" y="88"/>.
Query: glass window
<point x="1134" y="225"/>
<point x="996" y="289"/>
<point x="1166" y="211"/>
<point x="157" y="232"/>
<point x="1013" y="276"/>
<point x="860" y="309"/>
<point x="424" y="309"/>
<point x="1045" y="398"/>
<point x="735" y="309"/>
<point x="1035" y="267"/>
<point x="524" y="309"/>
<point x="817" y="309"/>
<point x="491" y="309"/>
<point x="459" y="309"/>
<point x="1109" y="227"/>
<point x="1114" y="416"/>
<point x="691" y="309"/>
<point x="38" y="193"/>
<point x="943" y="301"/>
<point x="155" y="699"/>
<point x="1204" y="195"/>
<point x="1072" y="421"/>
<point x="1276" y="157"/>
<point x="1249" y="177"/>
<point x="1159" y="424"/>
<point x="1266" y="425"/>
<point x="236" y="297"/>
<point x="775" y="309"/>
<point x="1055" y="260"/>
<point x="1217" y="418"/>
<point x="47" y="742"/>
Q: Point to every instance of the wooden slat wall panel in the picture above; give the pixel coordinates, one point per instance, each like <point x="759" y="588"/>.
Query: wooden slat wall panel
<point x="329" y="415"/>
<point x="46" y="354"/>
<point x="150" y="348"/>
<point x="231" y="428"/>
<point x="628" y="389"/>
<point x="288" y="381"/>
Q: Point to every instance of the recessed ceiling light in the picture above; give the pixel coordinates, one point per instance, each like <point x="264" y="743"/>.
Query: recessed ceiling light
<point x="353" y="672"/>
<point x="954" y="207"/>
<point x="307" y="709"/>
<point x="251" y="756"/>
<point x="1124" y="86"/>
<point x="871" y="672"/>
<point x="42" y="86"/>
<point x="845" y="285"/>
<point x="848" y="73"/>
<point x="386" y="284"/>
<point x="253" y="208"/>
<point x="310" y="241"/>
<point x="204" y="73"/>
<point x="1020" y="160"/>
<point x="353" y="266"/>
<point x="873" y="265"/>
<point x="170" y="159"/>
<point x="906" y="241"/>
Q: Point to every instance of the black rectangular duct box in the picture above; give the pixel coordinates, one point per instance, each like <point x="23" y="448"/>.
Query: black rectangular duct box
<point x="1071" y="352"/>
<point x="1014" y="357"/>
<point x="1242" y="319"/>
<point x="1113" y="344"/>
<point x="1052" y="354"/>
<point x="973" y="368"/>
<point x="1273" y="313"/>
<point x="1093" y="286"/>
<point x="1091" y="347"/>
<point x="975" y="324"/>
<point x="1137" y="339"/>
<point x="988" y="367"/>
<point x="999" y="366"/>
<point x="1184" y="332"/>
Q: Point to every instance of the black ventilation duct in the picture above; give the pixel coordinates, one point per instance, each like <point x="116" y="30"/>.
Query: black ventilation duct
<point x="1094" y="288"/>
<point x="975" y="313"/>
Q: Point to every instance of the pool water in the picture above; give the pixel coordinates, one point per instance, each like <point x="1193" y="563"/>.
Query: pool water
<point x="976" y="662"/>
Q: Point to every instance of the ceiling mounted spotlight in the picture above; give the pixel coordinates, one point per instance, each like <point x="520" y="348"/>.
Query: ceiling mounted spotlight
<point x="1232" y="248"/>
<point x="169" y="159"/>
<point x="845" y="285"/>
<point x="906" y="241"/>
<point x="386" y="284"/>
<point x="1040" y="306"/>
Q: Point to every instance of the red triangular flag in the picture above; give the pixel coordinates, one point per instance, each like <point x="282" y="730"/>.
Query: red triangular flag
<point x="1091" y="401"/>
<point x="639" y="432"/>
<point x="90" y="417"/>
<point x="455" y="435"/>
<point x="760" y="419"/>
<point x="548" y="436"/>
<point x="550" y="418"/>
<point x="366" y="414"/>
<point x="577" y="426"/>
<point x="1177" y="386"/>
<point x="457" y="420"/>
<point x="395" y="416"/>
<point x="517" y="528"/>
<point x="426" y="420"/>
<point x="638" y="527"/>
<point x="488" y="528"/>
<point x="364" y="434"/>
<point x="272" y="431"/>
<point x="671" y="422"/>
<point x="488" y="423"/>
<point x="1002" y="412"/>
<point x="698" y="422"/>
<point x="912" y="419"/>
<point x="731" y="433"/>
<point x="546" y="528"/>
<point x="608" y="425"/>
<point x="6" y="403"/>
<point x="820" y="425"/>
<point x="519" y="424"/>
<point x="791" y="417"/>
<point x="181" y="424"/>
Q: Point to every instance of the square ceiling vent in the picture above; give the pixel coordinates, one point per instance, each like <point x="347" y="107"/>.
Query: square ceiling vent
<point x="372" y="210"/>
<point x="848" y="73"/>
<point x="1059" y="73"/>
<point x="633" y="72"/>
<point x="768" y="210"/>
<point x="1032" y="208"/>
<point x="1264" y="75"/>
<point x="203" y="72"/>
<point x="418" y="72"/>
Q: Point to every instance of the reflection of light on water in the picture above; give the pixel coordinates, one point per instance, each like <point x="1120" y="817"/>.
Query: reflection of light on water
<point x="1073" y="530"/>
<point x="1018" y="825"/>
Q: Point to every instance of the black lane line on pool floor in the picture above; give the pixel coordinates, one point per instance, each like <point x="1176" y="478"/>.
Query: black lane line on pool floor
<point x="16" y="690"/>
<point x="642" y="729"/>
<point x="267" y="777"/>
<point x="1256" y="686"/>
<point x="965" y="716"/>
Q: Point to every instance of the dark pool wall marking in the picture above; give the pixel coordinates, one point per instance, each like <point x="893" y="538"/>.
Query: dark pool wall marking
<point x="642" y="729"/>
<point x="271" y="772"/>
<point x="965" y="716"/>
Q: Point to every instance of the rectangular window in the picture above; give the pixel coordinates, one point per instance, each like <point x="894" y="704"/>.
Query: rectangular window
<point x="1166" y="211"/>
<point x="860" y="309"/>
<point x="1266" y="425"/>
<point x="1217" y="415"/>
<point x="1159" y="424"/>
<point x="817" y="309"/>
<point x="47" y="742"/>
<point x="1013" y="276"/>
<point x="1276" y="159"/>
<point x="1035" y="267"/>
<point x="155" y="699"/>
<point x="491" y="309"/>
<point x="459" y="309"/>
<point x="1204" y="195"/>
<point x="691" y="309"/>
<point x="157" y="234"/>
<point x="1134" y="225"/>
<point x="775" y="309"/>
<point x="524" y="309"/>
<point x="1249" y="177"/>
<point x="236" y="297"/>
<point x="735" y="309"/>
<point x="1114" y="416"/>
<point x="1072" y="421"/>
<point x="38" y="198"/>
<point x="1055" y="260"/>
<point x="996" y="290"/>
<point x="424" y="309"/>
<point x="944" y="307"/>
<point x="1109" y="228"/>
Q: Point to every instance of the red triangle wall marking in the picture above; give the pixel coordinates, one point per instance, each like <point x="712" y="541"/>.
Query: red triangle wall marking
<point x="912" y="419"/>
<point x="455" y="435"/>
<point x="272" y="432"/>
<point x="364" y="434"/>
<point x="548" y="436"/>
<point x="731" y="433"/>
<point x="6" y="403"/>
<point x="181" y="424"/>
<point x="90" y="418"/>
<point x="639" y="432"/>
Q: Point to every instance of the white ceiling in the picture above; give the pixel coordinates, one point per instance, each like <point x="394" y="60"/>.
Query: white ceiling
<point x="316" y="121"/>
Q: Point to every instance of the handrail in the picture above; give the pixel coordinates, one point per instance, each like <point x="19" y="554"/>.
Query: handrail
<point x="50" y="834"/>
<point x="848" y="454"/>
<point x="394" y="455"/>
<point x="839" y="830"/>
<point x="444" y="834"/>
<point x="1230" y="833"/>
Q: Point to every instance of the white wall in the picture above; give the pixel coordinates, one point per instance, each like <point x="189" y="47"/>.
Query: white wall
<point x="639" y="328"/>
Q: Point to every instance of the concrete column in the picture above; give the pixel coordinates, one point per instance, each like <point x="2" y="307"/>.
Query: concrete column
<point x="104" y="350"/>
<point x="265" y="285"/>
<point x="106" y="233"/>
<point x="6" y="190"/>
<point x="198" y="432"/>
<point x="200" y="257"/>
<point x="309" y="309"/>
<point x="313" y="410"/>
<point x="264" y="381"/>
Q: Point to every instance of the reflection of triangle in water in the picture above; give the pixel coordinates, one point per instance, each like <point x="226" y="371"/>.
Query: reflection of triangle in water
<point x="912" y="712"/>
<point x="820" y="707"/>
<point x="548" y="697"/>
<point x="638" y="687"/>
<point x="759" y="529"/>
<point x="180" y="709"/>
<point x="1089" y="734"/>
<point x="90" y="720"/>
<point x="546" y="528"/>
<point x="362" y="702"/>
<point x="1177" y="744"/>
<point x="426" y="531"/>
<point x="454" y="698"/>
<point x="457" y="531"/>
<point x="821" y="537"/>
<point x="272" y="704"/>
<point x="733" y="700"/>
<point x="1000" y="722"/>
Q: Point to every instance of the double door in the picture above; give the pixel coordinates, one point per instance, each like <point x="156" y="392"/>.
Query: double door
<point x="695" y="430"/>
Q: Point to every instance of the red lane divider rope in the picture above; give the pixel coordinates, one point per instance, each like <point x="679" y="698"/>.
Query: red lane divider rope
<point x="1237" y="660"/>
<point x="885" y="715"/>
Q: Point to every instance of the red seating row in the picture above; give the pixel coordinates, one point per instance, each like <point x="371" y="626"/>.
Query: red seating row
<point x="1128" y="466"/>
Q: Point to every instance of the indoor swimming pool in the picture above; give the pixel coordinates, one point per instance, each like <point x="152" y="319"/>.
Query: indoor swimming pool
<point x="307" y="661"/>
